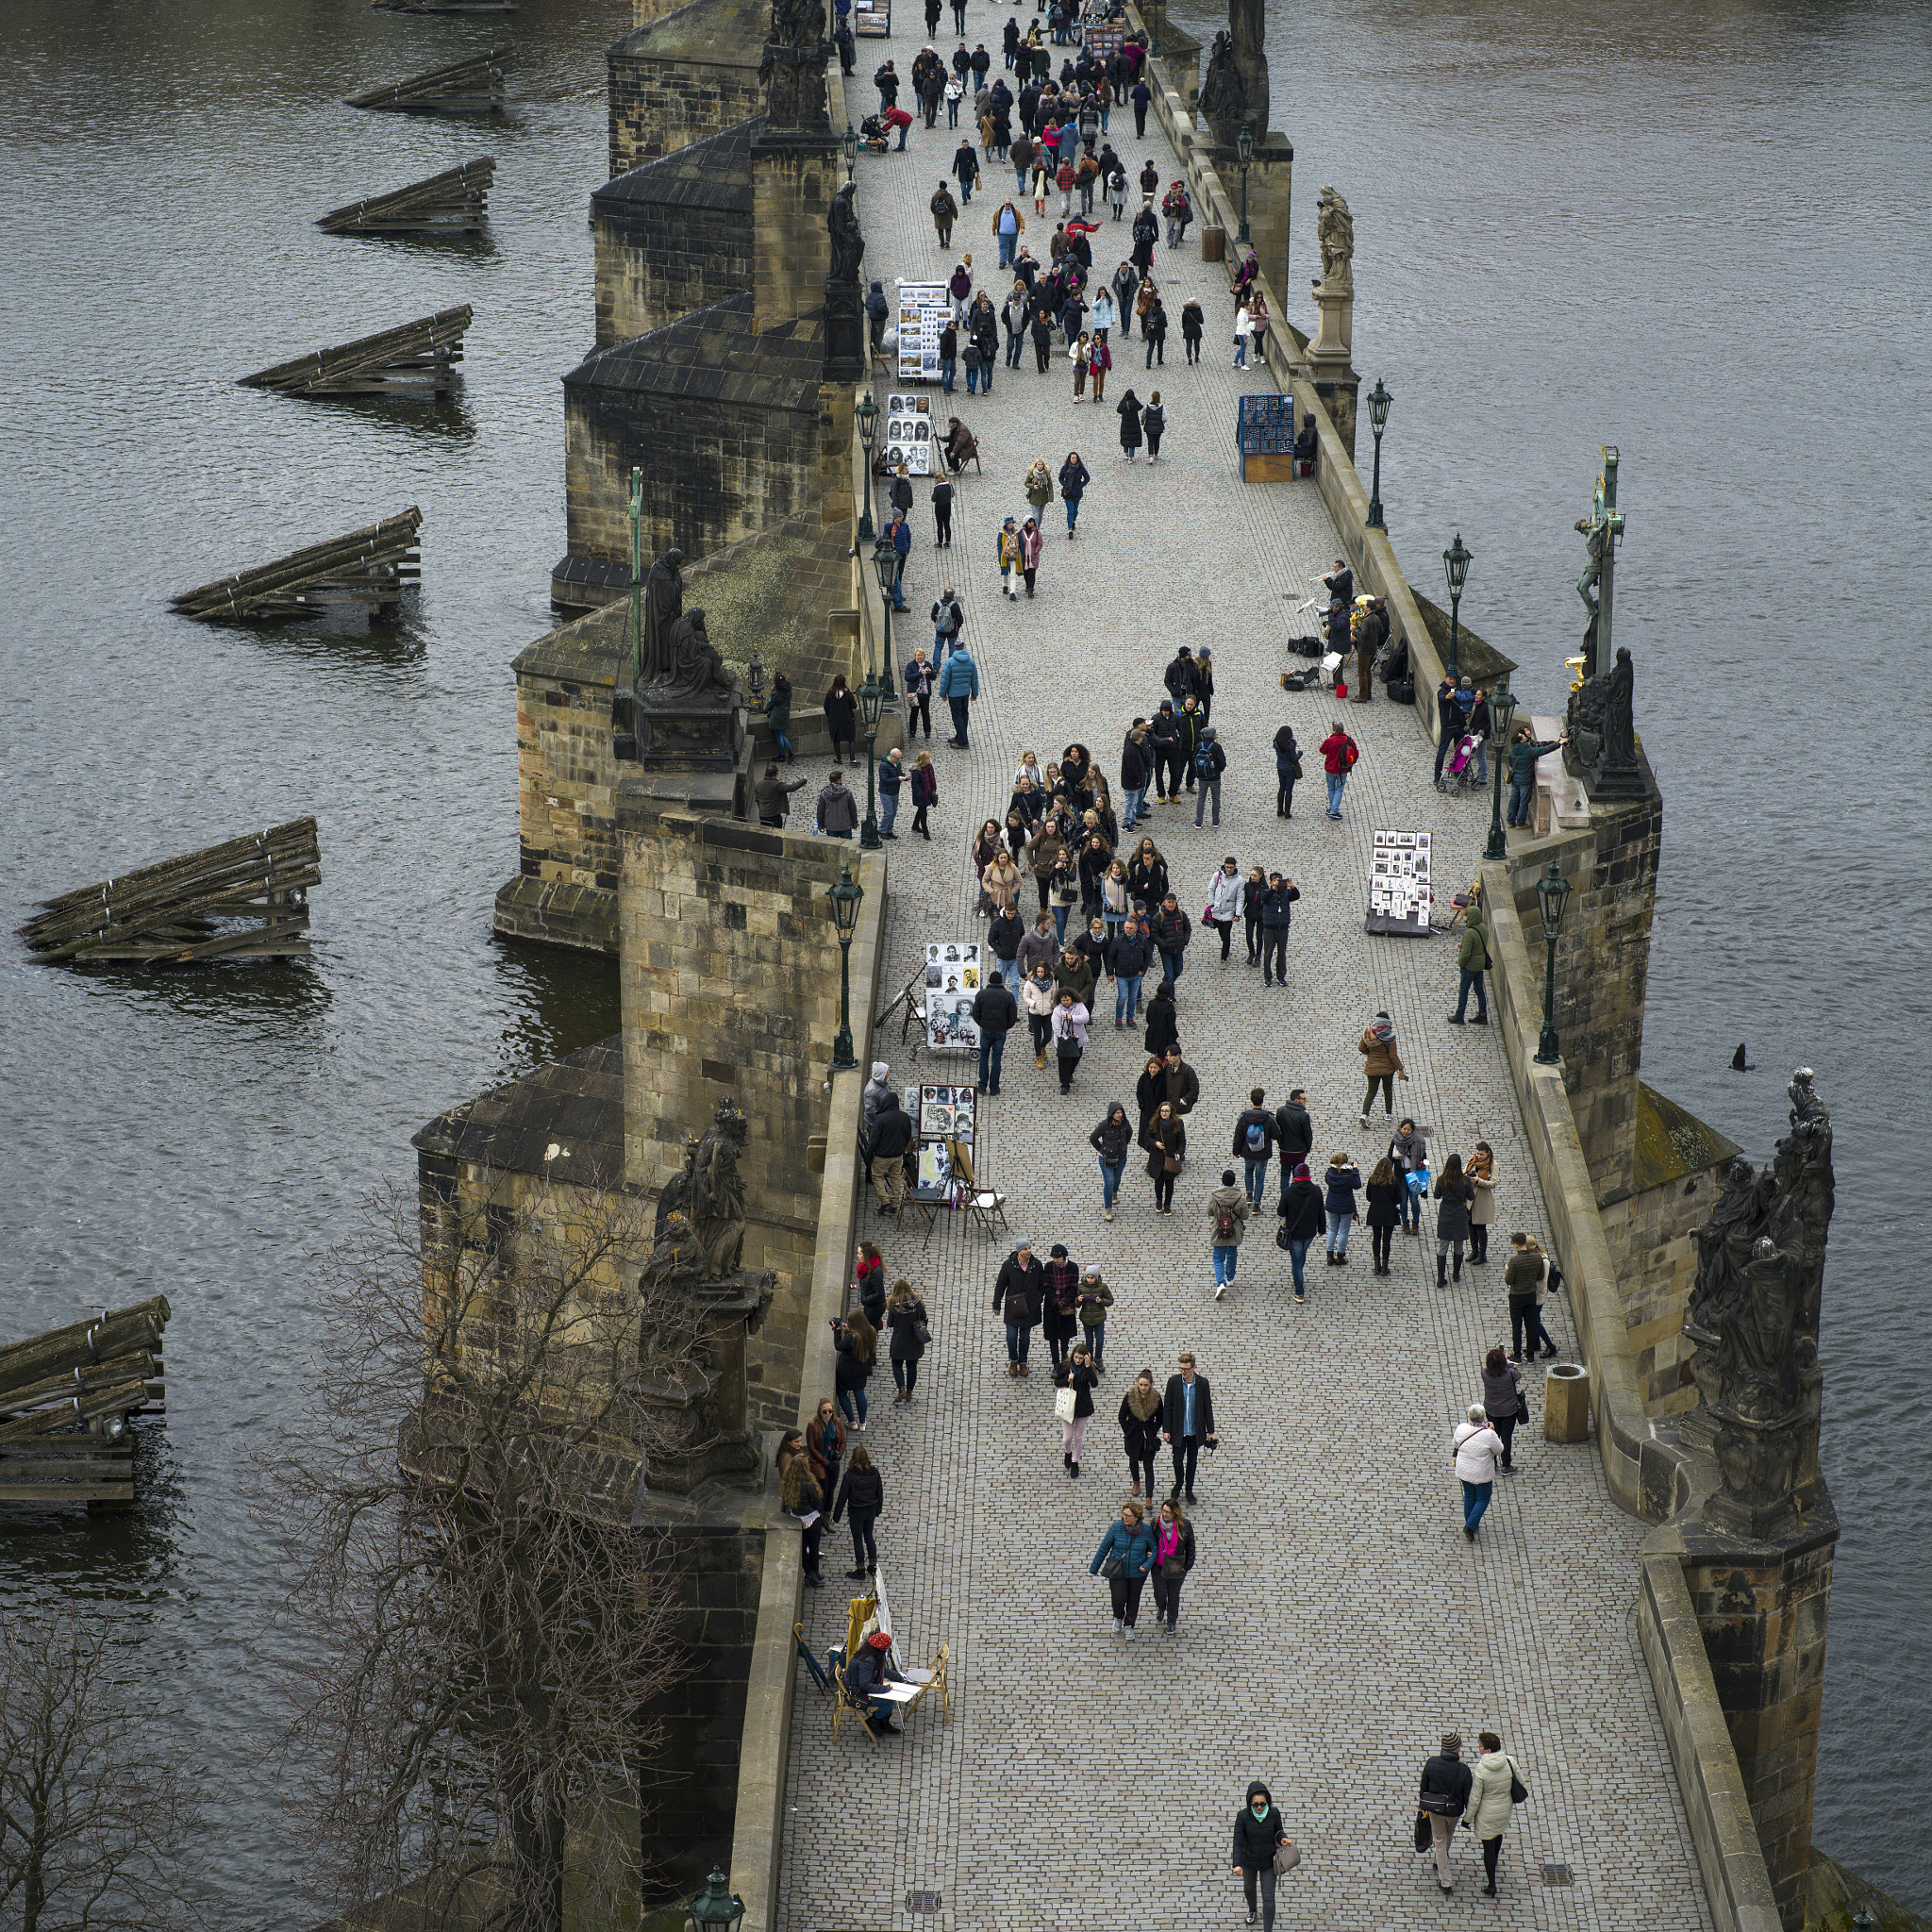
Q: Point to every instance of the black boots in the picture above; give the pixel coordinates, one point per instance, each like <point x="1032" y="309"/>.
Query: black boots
<point x="1441" y="1271"/>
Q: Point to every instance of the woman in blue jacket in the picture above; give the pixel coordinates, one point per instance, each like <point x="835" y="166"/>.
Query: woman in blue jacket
<point x="1073" y="481"/>
<point x="1130" y="1542"/>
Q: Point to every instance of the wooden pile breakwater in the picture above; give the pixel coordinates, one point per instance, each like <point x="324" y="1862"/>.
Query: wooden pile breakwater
<point x="247" y="899"/>
<point x="68" y="1400"/>
<point x="452" y="203"/>
<point x="466" y="87"/>
<point x="368" y="567"/>
<point x="442" y="6"/>
<point x="418" y="358"/>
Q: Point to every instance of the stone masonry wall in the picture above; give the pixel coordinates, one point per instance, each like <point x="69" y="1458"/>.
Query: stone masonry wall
<point x="566" y="776"/>
<point x="658" y="106"/>
<point x="1651" y="1235"/>
<point x="656" y="263"/>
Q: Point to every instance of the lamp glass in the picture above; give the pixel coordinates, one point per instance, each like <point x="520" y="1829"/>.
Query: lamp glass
<point x="1379" y="400"/>
<point x="868" y="414"/>
<point x="714" y="1907"/>
<point x="1502" y="711"/>
<point x="846" y="896"/>
<point x="1245" y="144"/>
<point x="1456" y="563"/>
<point x="870" y="698"/>
<point x="1552" y="895"/>
<point x="885" y="560"/>
<point x="849" y="142"/>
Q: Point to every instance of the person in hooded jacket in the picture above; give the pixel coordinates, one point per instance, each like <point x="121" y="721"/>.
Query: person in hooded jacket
<point x="1381" y="1063"/>
<point x="1094" y="1300"/>
<point x="1163" y="1030"/>
<point x="1223" y="907"/>
<point x="1287" y="765"/>
<point x="1111" y="1141"/>
<point x="1059" y="1287"/>
<point x="1128" y="410"/>
<point x="1227" y="1210"/>
<point x="1209" y="763"/>
<point x="1302" y="1219"/>
<point x="1342" y="1183"/>
<point x="1257" y="1835"/>
<point x="1491" y="1807"/>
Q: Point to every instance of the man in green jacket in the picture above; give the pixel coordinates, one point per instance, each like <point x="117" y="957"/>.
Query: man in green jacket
<point x="1471" y="957"/>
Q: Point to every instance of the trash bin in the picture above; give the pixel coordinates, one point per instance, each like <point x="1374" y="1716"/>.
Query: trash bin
<point x="1214" y="244"/>
<point x="1566" y="1402"/>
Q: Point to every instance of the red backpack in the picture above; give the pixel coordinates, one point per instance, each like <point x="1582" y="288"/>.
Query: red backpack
<point x="1351" y="751"/>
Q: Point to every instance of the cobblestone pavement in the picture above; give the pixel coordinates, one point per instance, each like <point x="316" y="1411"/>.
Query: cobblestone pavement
<point x="1337" y="1620"/>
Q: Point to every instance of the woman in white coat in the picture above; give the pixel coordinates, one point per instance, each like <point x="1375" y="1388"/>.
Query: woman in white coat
<point x="1490" y="1803"/>
<point x="1479" y="1451"/>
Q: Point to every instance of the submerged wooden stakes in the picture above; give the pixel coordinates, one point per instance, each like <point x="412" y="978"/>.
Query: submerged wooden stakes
<point x="466" y="87"/>
<point x="367" y="567"/>
<point x="67" y="1402"/>
<point x="452" y="203"/>
<point x="416" y="358"/>
<point x="247" y="899"/>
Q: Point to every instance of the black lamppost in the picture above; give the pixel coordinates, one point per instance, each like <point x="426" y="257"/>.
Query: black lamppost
<point x="868" y="415"/>
<point x="1502" y="715"/>
<point x="1155" y="10"/>
<point x="884" y="565"/>
<point x="1379" y="400"/>
<point x="868" y="710"/>
<point x="714" y="1910"/>
<point x="849" y="142"/>
<point x="1456" y="563"/>
<point x="1552" y="895"/>
<point x="1244" y="156"/>
<point x="755" y="679"/>
<point x="844" y="896"/>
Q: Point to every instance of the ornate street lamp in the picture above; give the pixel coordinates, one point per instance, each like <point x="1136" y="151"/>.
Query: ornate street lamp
<point x="1155" y="9"/>
<point x="1379" y="400"/>
<point x="884" y="565"/>
<point x="844" y="896"/>
<point x="868" y="414"/>
<point x="1245" y="153"/>
<point x="1456" y="563"/>
<point x="755" y="679"/>
<point x="1502" y="715"/>
<point x="869" y="695"/>
<point x="1552" y="895"/>
<point x="713" y="1909"/>
<point x="849" y="142"/>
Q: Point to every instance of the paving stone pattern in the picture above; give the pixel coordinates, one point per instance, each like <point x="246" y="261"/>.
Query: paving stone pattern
<point x="1337" y="1621"/>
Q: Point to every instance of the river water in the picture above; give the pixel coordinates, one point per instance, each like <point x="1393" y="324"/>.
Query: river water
<point x="1690" y="230"/>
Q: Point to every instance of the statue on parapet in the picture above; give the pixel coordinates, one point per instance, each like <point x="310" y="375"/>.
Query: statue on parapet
<point x="1223" y="101"/>
<point x="696" y="669"/>
<point x="848" y="240"/>
<point x="792" y="71"/>
<point x="1335" y="231"/>
<point x="664" y="605"/>
<point x="709" y="1194"/>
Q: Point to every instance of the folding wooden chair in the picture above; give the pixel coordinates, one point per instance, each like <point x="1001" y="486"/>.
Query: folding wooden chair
<point x="988" y="1208"/>
<point x="843" y="1702"/>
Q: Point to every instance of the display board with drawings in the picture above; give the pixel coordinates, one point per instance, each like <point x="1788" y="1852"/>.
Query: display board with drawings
<point x="908" y="434"/>
<point x="945" y="1118"/>
<point x="924" y="308"/>
<point x="872" y="20"/>
<point x="1400" y="889"/>
<point x="953" y="969"/>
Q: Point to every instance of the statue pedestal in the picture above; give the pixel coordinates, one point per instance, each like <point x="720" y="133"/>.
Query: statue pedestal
<point x="699" y="1416"/>
<point x="1329" y="366"/>
<point x="692" y="736"/>
<point x="844" y="333"/>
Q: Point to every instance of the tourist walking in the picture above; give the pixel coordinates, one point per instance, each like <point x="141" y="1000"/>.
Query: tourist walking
<point x="996" y="1012"/>
<point x="1173" y="1557"/>
<point x="1228" y="1207"/>
<point x="1094" y="1299"/>
<point x="1503" y="1402"/>
<point x="1452" y="1197"/>
<point x="1128" y="410"/>
<point x="1526" y="1279"/>
<point x="1127" y="960"/>
<point x="1075" y="478"/>
<point x="1194" y="326"/>
<point x="1211" y="761"/>
<point x="842" y="719"/>
<point x="1381" y="1063"/>
<point x="1477" y="1451"/>
<point x="1303" y="1217"/>
<point x="1167" y="1153"/>
<point x="1139" y="1418"/>
<point x="959" y="686"/>
<point x="1383" y="1211"/>
<point x="1409" y="1148"/>
<point x="1040" y="998"/>
<point x="1016" y="1299"/>
<point x="1481" y="1175"/>
<point x="1188" y="1411"/>
<point x="1254" y="889"/>
<point x="1074" y="1376"/>
<point x="863" y="1492"/>
<point x="1472" y="957"/>
<point x="1154" y="417"/>
<point x="1031" y="539"/>
<point x="1492" y="1790"/>
<point x="1111" y="1141"/>
<point x="1259" y="1834"/>
<point x="1060" y="1285"/>
<point x="1124" y="1557"/>
<point x="803" y="1498"/>
<point x="1340" y="754"/>
<point x="1164" y="1027"/>
<point x="1294" y="1133"/>
<point x="1254" y="1142"/>
<point x="907" y="1318"/>
<point x="920" y="674"/>
<point x="1341" y="1183"/>
<point x="1443" y="1799"/>
<point x="925" y="793"/>
<point x="778" y="716"/>
<point x="1223" y="905"/>
<point x="1172" y="929"/>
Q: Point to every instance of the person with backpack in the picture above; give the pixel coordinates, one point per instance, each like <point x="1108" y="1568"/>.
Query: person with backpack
<point x="1228" y="1209"/>
<point x="1211" y="761"/>
<point x="1340" y="753"/>
<point x="1254" y="1142"/>
<point x="948" y="621"/>
<point x="1302" y="1220"/>
<point x="1277" y="914"/>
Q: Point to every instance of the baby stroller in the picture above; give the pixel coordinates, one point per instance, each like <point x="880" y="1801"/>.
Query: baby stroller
<point x="874" y="130"/>
<point x="1461" y="768"/>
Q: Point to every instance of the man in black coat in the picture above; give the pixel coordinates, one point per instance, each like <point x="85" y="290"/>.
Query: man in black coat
<point x="1137" y="768"/>
<point x="1164" y="734"/>
<point x="1188" y="1409"/>
<point x="1444" y="1799"/>
<point x="1183" y="1083"/>
<point x="1179" y="676"/>
<point x="892" y="1135"/>
<point x="1172" y="929"/>
<point x="1017" y="1295"/>
<point x="1294" y="1133"/>
<point x="1341" y="582"/>
<point x="1303" y="1219"/>
<point x="996" y="1012"/>
<point x="1127" y="958"/>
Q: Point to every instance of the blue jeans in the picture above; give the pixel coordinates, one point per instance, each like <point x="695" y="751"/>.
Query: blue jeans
<point x="1520" y="797"/>
<point x="1482" y="761"/>
<point x="1008" y="970"/>
<point x="1240" y="352"/>
<point x="1476" y="1499"/>
<point x="952" y="114"/>
<point x="1105" y="109"/>
<point x="784" y="743"/>
<point x="838" y="835"/>
<point x="1126" y="998"/>
<point x="1073" y="511"/>
<point x="972" y="379"/>
<point x="958" y="710"/>
<point x="1110" y="1182"/>
<point x="992" y="1047"/>
<point x="1096" y="1340"/>
<point x="1224" y="1260"/>
<point x="948" y="367"/>
<point x="847" y="1397"/>
<point x="1256" y="1177"/>
<point x="1298" y="1254"/>
<point x="1019" y="1340"/>
<point x="1059" y="921"/>
<point x="1133" y="803"/>
<point x="1338" y="1231"/>
<point x="1171" y="967"/>
<point x="1411" y="1205"/>
<point x="1472" y="978"/>
<point x="889" y="810"/>
<point x="1006" y="242"/>
<point x="1336" y="781"/>
<point x="898" y="589"/>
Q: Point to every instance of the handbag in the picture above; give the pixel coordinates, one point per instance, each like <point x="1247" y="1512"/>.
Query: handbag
<point x="1441" y="1805"/>
<point x="923" y="1331"/>
<point x="1281" y="1237"/>
<point x="1287" y="1857"/>
<point x="1063" y="1402"/>
<point x="1172" y="1163"/>
<point x="1522" y="1416"/>
<point x="1519" y="1791"/>
<point x="1424" y="1835"/>
<point x="1110" y="1567"/>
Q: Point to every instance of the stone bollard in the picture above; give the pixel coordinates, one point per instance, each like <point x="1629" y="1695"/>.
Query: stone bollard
<point x="1566" y="1404"/>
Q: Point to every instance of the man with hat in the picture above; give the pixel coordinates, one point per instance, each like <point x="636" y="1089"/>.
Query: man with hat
<point x="1059" y="1312"/>
<point x="1303" y="1218"/>
<point x="1017" y="1295"/>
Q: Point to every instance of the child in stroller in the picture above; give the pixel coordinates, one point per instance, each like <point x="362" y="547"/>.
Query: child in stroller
<point x="1462" y="767"/>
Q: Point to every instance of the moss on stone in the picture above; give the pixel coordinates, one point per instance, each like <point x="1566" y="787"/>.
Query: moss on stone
<point x="1672" y="1143"/>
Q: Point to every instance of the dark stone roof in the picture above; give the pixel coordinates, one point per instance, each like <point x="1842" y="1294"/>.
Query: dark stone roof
<point x="577" y="1103"/>
<point x="1671" y="1142"/>
<point x="714" y="172"/>
<point x="713" y="354"/>
<point x="711" y="33"/>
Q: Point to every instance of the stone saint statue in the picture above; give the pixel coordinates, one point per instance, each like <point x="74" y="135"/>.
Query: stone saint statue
<point x="1619" y="724"/>
<point x="794" y="67"/>
<point x="1224" y="91"/>
<point x="711" y="1191"/>
<point x="1247" y="22"/>
<point x="1335" y="231"/>
<point x="848" y="244"/>
<point x="696" y="668"/>
<point x="664" y="605"/>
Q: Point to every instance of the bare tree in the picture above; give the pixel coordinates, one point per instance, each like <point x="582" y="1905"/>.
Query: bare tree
<point x="97" y="1821"/>
<point x="483" y="1620"/>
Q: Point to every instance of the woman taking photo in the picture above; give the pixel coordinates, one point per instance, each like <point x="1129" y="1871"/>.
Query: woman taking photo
<point x="906" y="1317"/>
<point x="1126" y="1554"/>
<point x="1076" y="1373"/>
<point x="1173" y="1557"/>
<point x="1141" y="1420"/>
<point x="1343" y="1181"/>
<point x="1167" y="1149"/>
<point x="856" y="1340"/>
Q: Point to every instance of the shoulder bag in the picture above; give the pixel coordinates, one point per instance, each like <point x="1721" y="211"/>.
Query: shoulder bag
<point x="1110" y="1566"/>
<point x="1287" y="1857"/>
<point x="1519" y="1791"/>
<point x="1063" y="1402"/>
